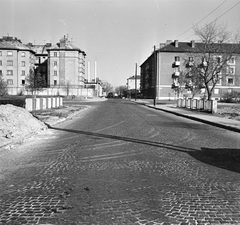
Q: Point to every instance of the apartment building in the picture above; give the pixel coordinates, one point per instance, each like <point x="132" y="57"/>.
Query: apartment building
<point x="160" y="71"/>
<point x="133" y="86"/>
<point x="66" y="65"/>
<point x="16" y="59"/>
<point x="61" y="64"/>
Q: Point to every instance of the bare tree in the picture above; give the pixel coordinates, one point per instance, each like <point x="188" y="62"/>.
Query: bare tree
<point x="66" y="86"/>
<point x="107" y="87"/>
<point x="121" y="90"/>
<point x="3" y="87"/>
<point x="35" y="82"/>
<point x="211" y="56"/>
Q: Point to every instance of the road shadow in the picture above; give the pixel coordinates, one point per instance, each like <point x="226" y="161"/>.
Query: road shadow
<point x="127" y="139"/>
<point x="225" y="158"/>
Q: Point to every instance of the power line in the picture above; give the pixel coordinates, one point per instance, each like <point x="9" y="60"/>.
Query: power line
<point x="201" y="20"/>
<point x="217" y="18"/>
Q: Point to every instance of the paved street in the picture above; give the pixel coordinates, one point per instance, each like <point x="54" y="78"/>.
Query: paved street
<point x="123" y="163"/>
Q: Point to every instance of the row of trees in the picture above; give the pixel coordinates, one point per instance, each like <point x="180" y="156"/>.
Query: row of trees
<point x="210" y="58"/>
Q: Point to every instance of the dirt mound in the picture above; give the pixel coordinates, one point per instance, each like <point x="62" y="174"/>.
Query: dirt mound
<point x="17" y="123"/>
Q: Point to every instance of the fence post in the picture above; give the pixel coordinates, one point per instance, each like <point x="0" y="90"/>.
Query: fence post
<point x="29" y="104"/>
<point x="214" y="106"/>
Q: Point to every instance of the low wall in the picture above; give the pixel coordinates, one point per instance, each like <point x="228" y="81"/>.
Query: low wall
<point x="32" y="104"/>
<point x="198" y="104"/>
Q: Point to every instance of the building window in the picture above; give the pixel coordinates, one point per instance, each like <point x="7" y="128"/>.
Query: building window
<point x="219" y="81"/>
<point x="55" y="83"/>
<point x="23" y="54"/>
<point x="9" y="53"/>
<point x="0" y="53"/>
<point x="10" y="81"/>
<point x="55" y="73"/>
<point x="55" y="54"/>
<point x="23" y="63"/>
<point x="216" y="91"/>
<point x="230" y="70"/>
<point x="9" y="72"/>
<point x="55" y="63"/>
<point x="23" y="82"/>
<point x="0" y="72"/>
<point x="231" y="61"/>
<point x="9" y="63"/>
<point x="230" y="81"/>
<point x="177" y="58"/>
<point x="23" y="73"/>
<point x="0" y="62"/>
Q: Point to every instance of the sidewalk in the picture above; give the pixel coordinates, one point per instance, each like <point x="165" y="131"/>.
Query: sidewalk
<point x="229" y="124"/>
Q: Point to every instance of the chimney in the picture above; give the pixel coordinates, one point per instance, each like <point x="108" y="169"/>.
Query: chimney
<point x="192" y="43"/>
<point x="161" y="45"/>
<point x="168" y="42"/>
<point x="63" y="42"/>
<point x="89" y="75"/>
<point x="176" y="43"/>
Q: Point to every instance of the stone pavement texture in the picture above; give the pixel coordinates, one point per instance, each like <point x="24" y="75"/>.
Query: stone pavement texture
<point x="42" y="200"/>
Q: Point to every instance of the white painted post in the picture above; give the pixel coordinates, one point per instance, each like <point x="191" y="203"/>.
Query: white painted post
<point x="37" y="103"/>
<point x="61" y="101"/>
<point x="191" y="103"/>
<point x="214" y="106"/>
<point x="57" y="102"/>
<point x="178" y="101"/>
<point x="29" y="104"/>
<point x="53" y="103"/>
<point x="44" y="105"/>
<point x="49" y="103"/>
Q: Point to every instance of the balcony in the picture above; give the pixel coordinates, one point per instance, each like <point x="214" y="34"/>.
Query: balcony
<point x="176" y="63"/>
<point x="189" y="64"/>
<point x="204" y="63"/>
<point x="175" y="74"/>
<point x="175" y="85"/>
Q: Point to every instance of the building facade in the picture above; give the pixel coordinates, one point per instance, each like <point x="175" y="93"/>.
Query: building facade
<point x="133" y="86"/>
<point x="16" y="60"/>
<point x="61" y="65"/>
<point x="66" y="65"/>
<point x="161" y="70"/>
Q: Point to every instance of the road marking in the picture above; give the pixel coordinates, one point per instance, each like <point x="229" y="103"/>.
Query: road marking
<point x="105" y="128"/>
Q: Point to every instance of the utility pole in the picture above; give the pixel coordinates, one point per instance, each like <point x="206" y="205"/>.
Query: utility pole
<point x="155" y="76"/>
<point x="136" y="83"/>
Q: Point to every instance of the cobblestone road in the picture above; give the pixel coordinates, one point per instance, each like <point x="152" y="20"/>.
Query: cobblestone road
<point x="129" y="168"/>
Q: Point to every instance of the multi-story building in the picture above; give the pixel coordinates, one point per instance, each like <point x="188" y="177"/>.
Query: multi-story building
<point x="133" y="86"/>
<point x="62" y="65"/>
<point x="16" y="60"/>
<point x="66" y="65"/>
<point x="41" y="56"/>
<point x="160" y="71"/>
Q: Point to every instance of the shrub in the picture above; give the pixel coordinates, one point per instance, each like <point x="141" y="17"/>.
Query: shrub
<point x="231" y="97"/>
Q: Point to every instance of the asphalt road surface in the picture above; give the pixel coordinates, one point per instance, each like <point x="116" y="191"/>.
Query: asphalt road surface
<point x="123" y="163"/>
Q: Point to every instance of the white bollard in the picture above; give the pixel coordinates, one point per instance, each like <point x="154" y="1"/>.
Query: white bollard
<point x="29" y="104"/>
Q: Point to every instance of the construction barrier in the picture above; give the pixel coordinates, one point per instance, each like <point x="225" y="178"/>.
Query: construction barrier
<point x="198" y="104"/>
<point x="32" y="104"/>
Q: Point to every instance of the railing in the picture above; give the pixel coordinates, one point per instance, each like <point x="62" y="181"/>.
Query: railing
<point x="32" y="104"/>
<point x="198" y="104"/>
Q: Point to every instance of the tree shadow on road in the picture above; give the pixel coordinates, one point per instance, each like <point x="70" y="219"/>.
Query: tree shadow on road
<point x="225" y="158"/>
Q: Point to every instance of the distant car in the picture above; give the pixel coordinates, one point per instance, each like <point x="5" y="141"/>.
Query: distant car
<point x="110" y="95"/>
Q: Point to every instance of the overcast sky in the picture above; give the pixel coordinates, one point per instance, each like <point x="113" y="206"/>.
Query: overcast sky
<point x="116" y="34"/>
